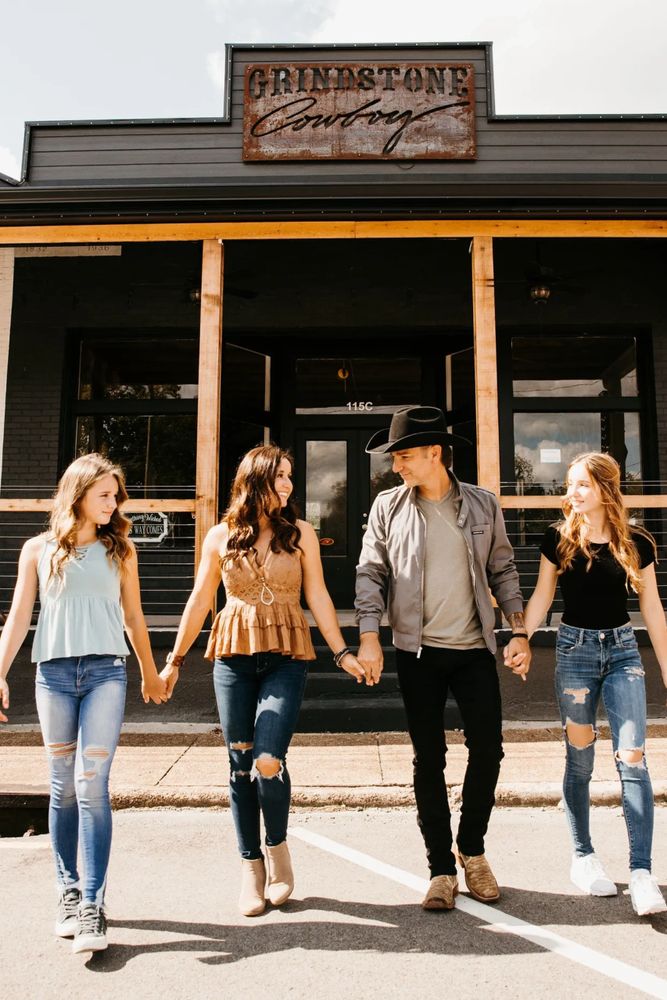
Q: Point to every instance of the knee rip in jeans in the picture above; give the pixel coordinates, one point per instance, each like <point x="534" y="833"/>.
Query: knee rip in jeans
<point x="267" y="766"/>
<point x="579" y="735"/>
<point x="97" y="755"/>
<point x="241" y="745"/>
<point x="59" y="751"/>
<point x="578" y="694"/>
<point x="632" y="757"/>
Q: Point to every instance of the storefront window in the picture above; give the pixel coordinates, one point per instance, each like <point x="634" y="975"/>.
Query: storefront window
<point x="326" y="493"/>
<point x="138" y="368"/>
<point x="546" y="443"/>
<point x="137" y="405"/>
<point x="553" y="367"/>
<point x="155" y="450"/>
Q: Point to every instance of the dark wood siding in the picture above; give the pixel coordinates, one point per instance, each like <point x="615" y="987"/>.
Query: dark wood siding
<point x="556" y="150"/>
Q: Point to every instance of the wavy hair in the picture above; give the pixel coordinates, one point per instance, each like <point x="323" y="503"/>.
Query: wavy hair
<point x="253" y="496"/>
<point x="74" y="483"/>
<point x="605" y="472"/>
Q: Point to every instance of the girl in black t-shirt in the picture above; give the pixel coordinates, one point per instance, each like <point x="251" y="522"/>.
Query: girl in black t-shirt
<point x="599" y="559"/>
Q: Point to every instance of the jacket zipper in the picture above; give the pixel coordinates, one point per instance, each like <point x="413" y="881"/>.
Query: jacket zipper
<point x="421" y="603"/>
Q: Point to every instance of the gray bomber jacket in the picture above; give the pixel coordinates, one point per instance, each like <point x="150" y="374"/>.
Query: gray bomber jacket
<point x="390" y="570"/>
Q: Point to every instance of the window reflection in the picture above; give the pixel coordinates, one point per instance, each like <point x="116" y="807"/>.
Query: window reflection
<point x="552" y="366"/>
<point x="326" y="494"/>
<point x="152" y="450"/>
<point x="382" y="478"/>
<point x="141" y="367"/>
<point x="546" y="443"/>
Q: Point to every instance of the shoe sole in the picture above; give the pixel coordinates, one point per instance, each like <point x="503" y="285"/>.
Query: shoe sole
<point x="650" y="912"/>
<point x="591" y="892"/>
<point x="66" y="929"/>
<point x="96" y="943"/>
<point x="481" y="899"/>
<point x="438" y="903"/>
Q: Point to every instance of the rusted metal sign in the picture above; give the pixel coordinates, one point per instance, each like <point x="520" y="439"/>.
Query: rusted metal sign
<point x="405" y="111"/>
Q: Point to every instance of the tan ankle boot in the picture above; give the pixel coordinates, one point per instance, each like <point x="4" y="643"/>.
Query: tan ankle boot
<point x="253" y="878"/>
<point x="281" y="876"/>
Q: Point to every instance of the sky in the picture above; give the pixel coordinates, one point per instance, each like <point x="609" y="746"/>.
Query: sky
<point x="81" y="59"/>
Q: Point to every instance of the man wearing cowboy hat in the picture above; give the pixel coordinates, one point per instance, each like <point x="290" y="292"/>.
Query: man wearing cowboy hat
<point x="433" y="550"/>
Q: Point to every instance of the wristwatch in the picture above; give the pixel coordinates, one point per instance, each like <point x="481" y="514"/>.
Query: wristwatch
<point x="175" y="658"/>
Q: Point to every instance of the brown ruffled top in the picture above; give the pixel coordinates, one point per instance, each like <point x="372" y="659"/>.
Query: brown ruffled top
<point x="263" y="613"/>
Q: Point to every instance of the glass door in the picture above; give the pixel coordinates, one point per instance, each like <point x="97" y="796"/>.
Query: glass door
<point x="336" y="482"/>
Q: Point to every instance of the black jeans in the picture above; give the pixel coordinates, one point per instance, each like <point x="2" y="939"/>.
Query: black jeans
<point x="471" y="676"/>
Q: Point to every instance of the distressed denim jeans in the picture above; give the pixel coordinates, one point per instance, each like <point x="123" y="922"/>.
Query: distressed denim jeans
<point x="258" y="698"/>
<point x="81" y="702"/>
<point x="593" y="664"/>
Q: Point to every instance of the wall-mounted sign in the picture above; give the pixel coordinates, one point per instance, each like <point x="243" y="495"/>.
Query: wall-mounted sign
<point x="550" y="456"/>
<point x="383" y="111"/>
<point x="150" y="526"/>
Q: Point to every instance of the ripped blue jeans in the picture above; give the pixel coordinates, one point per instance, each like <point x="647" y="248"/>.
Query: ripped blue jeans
<point x="81" y="703"/>
<point x="593" y="664"/>
<point x="259" y="698"/>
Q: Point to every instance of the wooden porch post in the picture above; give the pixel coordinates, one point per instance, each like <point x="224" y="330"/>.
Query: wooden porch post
<point x="486" y="370"/>
<point x="6" y="295"/>
<point x="208" y="407"/>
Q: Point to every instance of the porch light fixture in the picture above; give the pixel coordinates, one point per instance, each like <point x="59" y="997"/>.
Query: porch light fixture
<point x="539" y="293"/>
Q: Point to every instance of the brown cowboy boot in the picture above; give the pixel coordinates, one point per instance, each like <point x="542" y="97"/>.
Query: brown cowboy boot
<point x="441" y="893"/>
<point x="479" y="878"/>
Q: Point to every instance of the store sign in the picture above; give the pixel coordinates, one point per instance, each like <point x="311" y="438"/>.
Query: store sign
<point x="404" y="111"/>
<point x="149" y="527"/>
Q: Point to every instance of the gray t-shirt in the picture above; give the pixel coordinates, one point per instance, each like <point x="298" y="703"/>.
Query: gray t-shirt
<point x="450" y="614"/>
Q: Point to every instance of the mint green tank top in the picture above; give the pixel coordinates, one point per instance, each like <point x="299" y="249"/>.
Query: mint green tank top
<point x="80" y="612"/>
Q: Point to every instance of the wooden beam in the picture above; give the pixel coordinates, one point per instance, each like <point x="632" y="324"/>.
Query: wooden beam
<point x="486" y="369"/>
<point x="208" y="406"/>
<point x="334" y="230"/>
<point x="129" y="507"/>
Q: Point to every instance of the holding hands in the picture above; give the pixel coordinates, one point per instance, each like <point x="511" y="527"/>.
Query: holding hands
<point x="4" y="698"/>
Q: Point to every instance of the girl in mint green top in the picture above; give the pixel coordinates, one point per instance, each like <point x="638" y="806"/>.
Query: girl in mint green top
<point x="81" y="612"/>
<point x="86" y="570"/>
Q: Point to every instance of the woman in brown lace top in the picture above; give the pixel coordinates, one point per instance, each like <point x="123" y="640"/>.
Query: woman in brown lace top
<point x="261" y="646"/>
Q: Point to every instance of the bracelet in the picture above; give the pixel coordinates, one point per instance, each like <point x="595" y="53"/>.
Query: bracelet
<point x="339" y="656"/>
<point x="519" y="635"/>
<point x="175" y="659"/>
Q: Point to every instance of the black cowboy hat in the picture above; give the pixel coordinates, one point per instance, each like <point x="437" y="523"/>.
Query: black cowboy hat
<point x="412" y="427"/>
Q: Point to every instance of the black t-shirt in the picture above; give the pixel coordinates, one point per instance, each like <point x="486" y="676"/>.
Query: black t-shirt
<point x="596" y="598"/>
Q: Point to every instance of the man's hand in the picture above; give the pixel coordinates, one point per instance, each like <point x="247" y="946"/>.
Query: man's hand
<point x="517" y="656"/>
<point x="370" y="657"/>
<point x="153" y="688"/>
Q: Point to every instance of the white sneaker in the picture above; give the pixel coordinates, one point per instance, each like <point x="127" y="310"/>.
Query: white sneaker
<point x="589" y="876"/>
<point x="645" y="893"/>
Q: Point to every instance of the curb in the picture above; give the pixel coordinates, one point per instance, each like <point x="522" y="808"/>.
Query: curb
<point x="528" y="794"/>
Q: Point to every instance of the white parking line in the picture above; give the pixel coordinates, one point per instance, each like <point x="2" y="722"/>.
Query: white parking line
<point x="645" y="982"/>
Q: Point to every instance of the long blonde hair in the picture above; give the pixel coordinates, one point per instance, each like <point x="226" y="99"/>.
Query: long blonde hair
<point x="605" y="472"/>
<point x="74" y="483"/>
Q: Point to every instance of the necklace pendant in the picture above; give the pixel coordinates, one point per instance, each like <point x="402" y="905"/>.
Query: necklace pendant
<point x="269" y="592"/>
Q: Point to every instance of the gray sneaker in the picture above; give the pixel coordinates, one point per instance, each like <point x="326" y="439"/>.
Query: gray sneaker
<point x="91" y="933"/>
<point x="66" y="916"/>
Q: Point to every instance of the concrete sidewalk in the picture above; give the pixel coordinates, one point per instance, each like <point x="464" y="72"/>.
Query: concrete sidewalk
<point x="190" y="768"/>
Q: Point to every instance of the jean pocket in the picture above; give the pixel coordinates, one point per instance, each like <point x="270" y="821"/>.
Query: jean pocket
<point x="566" y="646"/>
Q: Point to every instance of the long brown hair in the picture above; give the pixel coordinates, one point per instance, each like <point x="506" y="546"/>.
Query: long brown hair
<point x="74" y="483"/>
<point x="605" y="472"/>
<point x="254" y="496"/>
